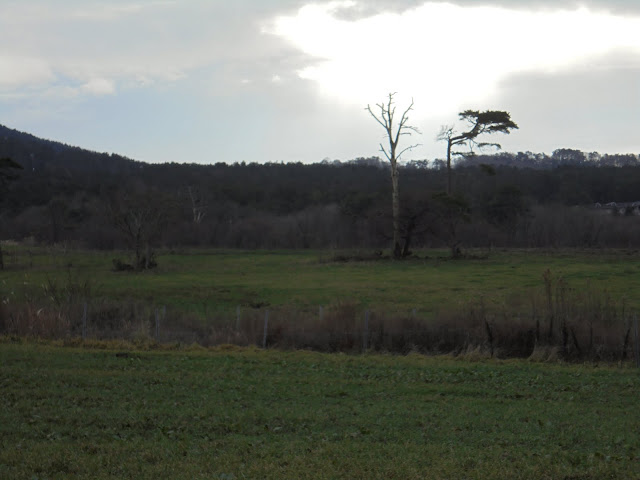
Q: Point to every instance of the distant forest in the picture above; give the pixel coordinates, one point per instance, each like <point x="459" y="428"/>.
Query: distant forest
<point x="86" y="199"/>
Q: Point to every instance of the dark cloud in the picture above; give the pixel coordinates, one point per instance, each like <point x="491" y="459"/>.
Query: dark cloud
<point x="614" y="6"/>
<point x="373" y="7"/>
<point x="589" y="109"/>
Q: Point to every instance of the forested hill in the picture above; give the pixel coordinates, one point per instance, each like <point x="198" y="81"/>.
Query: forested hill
<point x="35" y="153"/>
<point x="67" y="194"/>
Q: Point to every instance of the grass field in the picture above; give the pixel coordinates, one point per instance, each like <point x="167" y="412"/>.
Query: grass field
<point x="237" y="413"/>
<point x="216" y="280"/>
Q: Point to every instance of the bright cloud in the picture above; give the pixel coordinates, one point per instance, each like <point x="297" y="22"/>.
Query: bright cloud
<point x="443" y="54"/>
<point x="17" y="71"/>
<point x="99" y="86"/>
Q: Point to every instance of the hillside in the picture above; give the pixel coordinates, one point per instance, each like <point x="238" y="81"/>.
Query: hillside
<point x="36" y="154"/>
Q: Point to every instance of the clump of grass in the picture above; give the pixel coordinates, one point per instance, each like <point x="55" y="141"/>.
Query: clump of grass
<point x="32" y="320"/>
<point x="545" y="353"/>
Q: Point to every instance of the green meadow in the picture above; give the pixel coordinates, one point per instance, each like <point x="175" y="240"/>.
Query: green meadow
<point x="209" y="280"/>
<point x="232" y="413"/>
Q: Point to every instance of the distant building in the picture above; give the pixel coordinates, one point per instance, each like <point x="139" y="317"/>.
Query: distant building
<point x="619" y="208"/>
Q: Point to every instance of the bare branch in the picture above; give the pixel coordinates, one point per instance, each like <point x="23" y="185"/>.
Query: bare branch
<point x="384" y="125"/>
<point x="407" y="149"/>
<point x="446" y="132"/>
<point x="403" y="123"/>
<point x="382" y="149"/>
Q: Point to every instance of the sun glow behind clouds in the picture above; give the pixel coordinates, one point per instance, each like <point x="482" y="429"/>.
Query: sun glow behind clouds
<point x="445" y="55"/>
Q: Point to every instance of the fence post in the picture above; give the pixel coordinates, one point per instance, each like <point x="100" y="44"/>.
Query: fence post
<point x="266" y="327"/>
<point x="365" y="334"/>
<point x="238" y="318"/>
<point x="636" y="341"/>
<point x="157" y="325"/>
<point x="84" y="322"/>
<point x="321" y="314"/>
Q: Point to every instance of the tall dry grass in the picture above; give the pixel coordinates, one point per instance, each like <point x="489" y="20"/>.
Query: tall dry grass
<point x="555" y="321"/>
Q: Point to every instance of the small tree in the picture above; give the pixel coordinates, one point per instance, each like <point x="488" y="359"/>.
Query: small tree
<point x="140" y="218"/>
<point x="451" y="211"/>
<point x="489" y="121"/>
<point x="385" y="117"/>
<point x="506" y="208"/>
<point x="7" y="173"/>
<point x="416" y="218"/>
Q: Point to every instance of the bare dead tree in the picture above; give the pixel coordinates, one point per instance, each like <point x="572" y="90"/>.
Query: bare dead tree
<point x="385" y="116"/>
<point x="198" y="208"/>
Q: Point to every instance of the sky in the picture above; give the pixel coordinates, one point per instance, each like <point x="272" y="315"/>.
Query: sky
<point x="206" y="81"/>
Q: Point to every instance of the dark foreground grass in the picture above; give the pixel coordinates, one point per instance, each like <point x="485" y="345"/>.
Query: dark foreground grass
<point x="237" y="413"/>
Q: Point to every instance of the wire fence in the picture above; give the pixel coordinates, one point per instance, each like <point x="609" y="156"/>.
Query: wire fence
<point x="344" y="328"/>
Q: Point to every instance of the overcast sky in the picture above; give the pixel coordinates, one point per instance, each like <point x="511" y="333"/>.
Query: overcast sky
<point x="287" y="80"/>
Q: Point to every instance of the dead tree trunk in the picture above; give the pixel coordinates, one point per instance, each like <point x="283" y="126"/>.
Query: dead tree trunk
<point x="449" y="167"/>
<point x="395" y="205"/>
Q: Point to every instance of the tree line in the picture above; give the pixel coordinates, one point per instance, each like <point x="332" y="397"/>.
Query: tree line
<point x="63" y="194"/>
